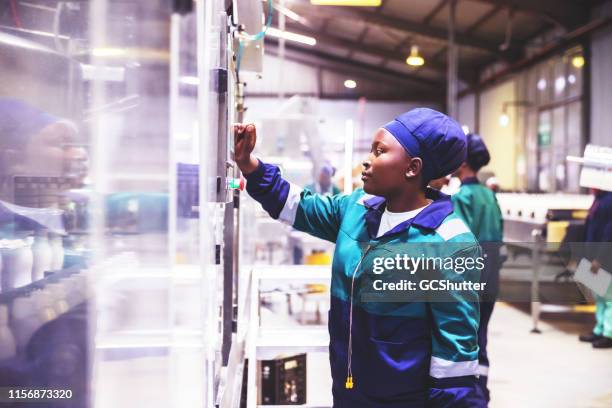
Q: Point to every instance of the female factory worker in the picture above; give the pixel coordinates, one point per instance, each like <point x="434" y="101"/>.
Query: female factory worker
<point x="599" y="229"/>
<point x="478" y="207"/>
<point x="394" y="355"/>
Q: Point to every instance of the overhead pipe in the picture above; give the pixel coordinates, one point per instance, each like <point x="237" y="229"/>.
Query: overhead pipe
<point x="545" y="52"/>
<point x="508" y="39"/>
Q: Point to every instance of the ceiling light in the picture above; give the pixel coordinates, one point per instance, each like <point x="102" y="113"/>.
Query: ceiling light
<point x="356" y="3"/>
<point x="350" y="84"/>
<point x="541" y="84"/>
<point x="303" y="39"/>
<point x="560" y="84"/>
<point x="571" y="79"/>
<point x="578" y="61"/>
<point x="414" y="59"/>
<point x="504" y="120"/>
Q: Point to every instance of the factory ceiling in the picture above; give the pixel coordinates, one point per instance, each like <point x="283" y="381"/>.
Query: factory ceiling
<point x="378" y="40"/>
<point x="370" y="44"/>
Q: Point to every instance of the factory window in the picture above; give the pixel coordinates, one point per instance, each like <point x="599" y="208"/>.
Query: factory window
<point x="554" y="120"/>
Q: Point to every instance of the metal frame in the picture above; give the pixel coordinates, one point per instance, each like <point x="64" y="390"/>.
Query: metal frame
<point x="419" y="87"/>
<point x="564" y="14"/>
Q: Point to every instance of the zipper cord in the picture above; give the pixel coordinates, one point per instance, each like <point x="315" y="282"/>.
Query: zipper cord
<point x="349" y="375"/>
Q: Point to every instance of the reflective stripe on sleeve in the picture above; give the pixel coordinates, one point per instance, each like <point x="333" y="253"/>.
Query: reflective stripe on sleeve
<point x="290" y="208"/>
<point x="441" y="368"/>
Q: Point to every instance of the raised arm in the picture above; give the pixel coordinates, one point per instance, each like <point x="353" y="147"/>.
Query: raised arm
<point x="312" y="213"/>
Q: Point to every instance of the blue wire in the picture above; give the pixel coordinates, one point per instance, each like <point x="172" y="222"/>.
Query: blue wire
<point x="239" y="55"/>
<point x="255" y="37"/>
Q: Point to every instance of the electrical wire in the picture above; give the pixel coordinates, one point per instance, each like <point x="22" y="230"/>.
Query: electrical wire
<point x="349" y="372"/>
<point x="15" y="14"/>
<point x="254" y="37"/>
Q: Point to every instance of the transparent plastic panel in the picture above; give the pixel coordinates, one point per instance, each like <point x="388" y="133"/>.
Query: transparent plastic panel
<point x="44" y="170"/>
<point x="130" y="205"/>
<point x="108" y="271"/>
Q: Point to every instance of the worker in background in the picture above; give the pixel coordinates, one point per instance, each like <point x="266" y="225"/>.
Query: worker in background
<point x="598" y="230"/>
<point x="407" y="354"/>
<point x="324" y="184"/>
<point x="493" y="184"/>
<point x="478" y="207"/>
<point x="440" y="184"/>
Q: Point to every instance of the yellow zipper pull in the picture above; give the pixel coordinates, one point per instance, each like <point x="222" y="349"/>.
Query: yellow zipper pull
<point x="349" y="382"/>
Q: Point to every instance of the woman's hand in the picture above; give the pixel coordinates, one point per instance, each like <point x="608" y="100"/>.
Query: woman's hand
<point x="245" y="137"/>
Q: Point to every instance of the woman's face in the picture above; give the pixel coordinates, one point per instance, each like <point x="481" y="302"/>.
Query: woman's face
<point x="50" y="152"/>
<point x="385" y="170"/>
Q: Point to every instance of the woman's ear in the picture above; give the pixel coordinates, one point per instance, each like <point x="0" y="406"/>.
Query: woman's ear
<point x="415" y="166"/>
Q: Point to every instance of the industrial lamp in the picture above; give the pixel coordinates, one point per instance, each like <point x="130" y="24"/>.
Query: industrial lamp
<point x="578" y="61"/>
<point x="414" y="59"/>
<point x="504" y="118"/>
<point x="350" y="84"/>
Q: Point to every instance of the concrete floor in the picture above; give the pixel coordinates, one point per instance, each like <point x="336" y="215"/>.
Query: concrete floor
<point x="548" y="370"/>
<point x="551" y="369"/>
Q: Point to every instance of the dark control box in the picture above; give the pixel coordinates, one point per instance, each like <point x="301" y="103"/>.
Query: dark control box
<point x="283" y="381"/>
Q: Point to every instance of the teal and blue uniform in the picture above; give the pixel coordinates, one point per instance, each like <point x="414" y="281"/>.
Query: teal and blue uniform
<point x="478" y="207"/>
<point x="316" y="188"/>
<point x="331" y="189"/>
<point x="599" y="229"/>
<point x="400" y="354"/>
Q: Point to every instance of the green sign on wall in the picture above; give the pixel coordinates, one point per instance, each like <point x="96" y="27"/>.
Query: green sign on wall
<point x="544" y="134"/>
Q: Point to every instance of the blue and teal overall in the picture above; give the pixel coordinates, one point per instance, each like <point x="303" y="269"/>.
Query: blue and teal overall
<point x="478" y="207"/>
<point x="599" y="229"/>
<point x="386" y="354"/>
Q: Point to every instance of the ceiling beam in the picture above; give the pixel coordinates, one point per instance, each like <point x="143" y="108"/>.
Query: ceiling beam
<point x="567" y="13"/>
<point x="400" y="46"/>
<point x="548" y="50"/>
<point x="469" y="30"/>
<point x="425" y="89"/>
<point x="359" y="41"/>
<point x="353" y="47"/>
<point x="484" y="18"/>
<point x="433" y="13"/>
<point x="399" y="97"/>
<point x="406" y="40"/>
<point x="404" y="26"/>
<point x="342" y="65"/>
<point x="366" y="30"/>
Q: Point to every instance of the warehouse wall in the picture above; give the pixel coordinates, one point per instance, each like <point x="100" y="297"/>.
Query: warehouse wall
<point x="601" y="82"/>
<point x="501" y="141"/>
